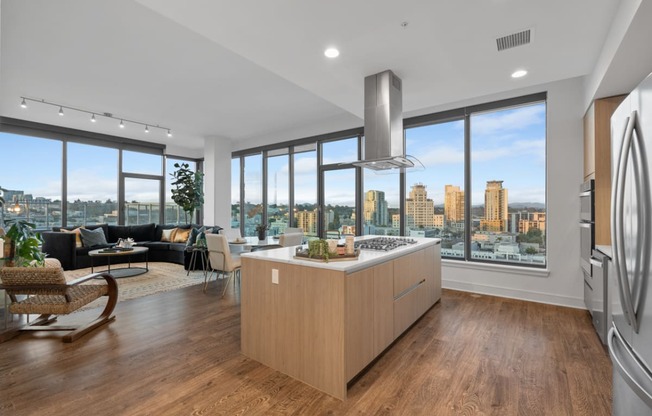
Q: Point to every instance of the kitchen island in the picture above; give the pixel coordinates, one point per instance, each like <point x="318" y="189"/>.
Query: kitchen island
<point x="323" y="323"/>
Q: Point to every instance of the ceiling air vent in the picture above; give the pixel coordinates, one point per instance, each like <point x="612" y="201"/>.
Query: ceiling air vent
<point x="514" y="40"/>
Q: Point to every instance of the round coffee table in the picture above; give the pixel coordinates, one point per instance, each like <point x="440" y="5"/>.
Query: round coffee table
<point x="115" y="252"/>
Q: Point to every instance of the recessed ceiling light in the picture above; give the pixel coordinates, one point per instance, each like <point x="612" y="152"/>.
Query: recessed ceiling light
<point x="519" y="73"/>
<point x="331" y="53"/>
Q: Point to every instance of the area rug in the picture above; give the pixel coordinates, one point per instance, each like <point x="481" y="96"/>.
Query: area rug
<point x="161" y="277"/>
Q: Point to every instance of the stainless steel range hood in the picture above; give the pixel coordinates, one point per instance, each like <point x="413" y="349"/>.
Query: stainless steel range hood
<point x="384" y="147"/>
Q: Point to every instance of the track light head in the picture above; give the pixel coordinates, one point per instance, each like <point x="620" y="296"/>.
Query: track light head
<point x="169" y="133"/>
<point x="122" y="124"/>
<point x="23" y="103"/>
<point x="93" y="120"/>
<point x="60" y="111"/>
<point x="146" y="129"/>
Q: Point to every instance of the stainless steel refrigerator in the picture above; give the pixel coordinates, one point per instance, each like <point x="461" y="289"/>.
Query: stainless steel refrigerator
<point x="630" y="337"/>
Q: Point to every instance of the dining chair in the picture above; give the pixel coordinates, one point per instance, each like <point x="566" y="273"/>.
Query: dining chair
<point x="221" y="259"/>
<point x="290" y="239"/>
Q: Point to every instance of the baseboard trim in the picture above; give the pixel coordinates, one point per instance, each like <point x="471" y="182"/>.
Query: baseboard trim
<point x="519" y="294"/>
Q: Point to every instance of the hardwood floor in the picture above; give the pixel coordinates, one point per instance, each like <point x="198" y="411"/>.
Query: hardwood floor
<point x="177" y="353"/>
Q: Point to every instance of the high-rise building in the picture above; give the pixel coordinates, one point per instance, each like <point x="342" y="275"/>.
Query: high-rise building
<point x="375" y="208"/>
<point x="534" y="220"/>
<point x="418" y="208"/>
<point x="495" y="207"/>
<point x="453" y="204"/>
<point x="308" y="221"/>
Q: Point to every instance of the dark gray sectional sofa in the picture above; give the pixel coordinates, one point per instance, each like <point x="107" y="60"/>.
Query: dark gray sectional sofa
<point x="62" y="246"/>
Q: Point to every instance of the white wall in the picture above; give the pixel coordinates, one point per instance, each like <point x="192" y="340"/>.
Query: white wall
<point x="217" y="181"/>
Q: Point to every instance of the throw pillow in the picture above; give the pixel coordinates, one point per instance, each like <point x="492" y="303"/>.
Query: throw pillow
<point x="78" y="241"/>
<point x="167" y="234"/>
<point x="195" y="235"/>
<point x="180" y="235"/>
<point x="94" y="237"/>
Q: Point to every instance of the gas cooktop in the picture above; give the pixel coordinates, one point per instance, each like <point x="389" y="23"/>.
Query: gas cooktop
<point x="384" y="243"/>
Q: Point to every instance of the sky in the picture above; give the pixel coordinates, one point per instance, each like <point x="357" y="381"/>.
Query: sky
<point x="507" y="145"/>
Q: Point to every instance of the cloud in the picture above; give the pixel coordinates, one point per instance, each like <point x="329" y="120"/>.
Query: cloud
<point x="511" y="120"/>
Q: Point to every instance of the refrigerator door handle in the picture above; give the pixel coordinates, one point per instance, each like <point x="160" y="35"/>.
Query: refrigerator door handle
<point x="618" y="357"/>
<point x="618" y="202"/>
<point x="642" y="196"/>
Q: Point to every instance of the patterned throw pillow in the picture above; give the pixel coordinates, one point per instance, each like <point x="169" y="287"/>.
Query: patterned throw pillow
<point x="180" y="235"/>
<point x="94" y="237"/>
<point x="78" y="241"/>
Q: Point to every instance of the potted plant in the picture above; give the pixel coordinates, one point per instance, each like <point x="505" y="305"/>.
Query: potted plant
<point x="261" y="230"/>
<point x="319" y="249"/>
<point x="23" y="245"/>
<point x="189" y="189"/>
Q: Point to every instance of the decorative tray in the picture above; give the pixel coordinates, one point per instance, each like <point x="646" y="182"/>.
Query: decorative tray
<point x="302" y="254"/>
<point x="116" y="249"/>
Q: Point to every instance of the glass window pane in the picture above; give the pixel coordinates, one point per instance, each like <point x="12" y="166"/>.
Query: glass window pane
<point x="509" y="182"/>
<point x="137" y="162"/>
<point x="434" y="205"/>
<point x="380" y="202"/>
<point x="340" y="151"/>
<point x="141" y="201"/>
<point x="278" y="199"/>
<point x="173" y="212"/>
<point x="92" y="185"/>
<point x="339" y="202"/>
<point x="31" y="179"/>
<point x="235" y="193"/>
<point x="305" y="192"/>
<point x="253" y="200"/>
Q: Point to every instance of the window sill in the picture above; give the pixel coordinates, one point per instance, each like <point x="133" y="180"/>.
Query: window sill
<point x="498" y="268"/>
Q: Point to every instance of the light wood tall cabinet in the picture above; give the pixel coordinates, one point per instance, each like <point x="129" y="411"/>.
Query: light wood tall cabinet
<point x="597" y="161"/>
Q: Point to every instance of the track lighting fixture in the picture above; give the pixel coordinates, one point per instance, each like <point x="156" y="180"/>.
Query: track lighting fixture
<point x="95" y="114"/>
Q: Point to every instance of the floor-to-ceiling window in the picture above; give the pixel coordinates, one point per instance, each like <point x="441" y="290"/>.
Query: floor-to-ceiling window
<point x="508" y="171"/>
<point x="142" y="181"/>
<point x="482" y="188"/>
<point x="434" y="200"/>
<point x="63" y="177"/>
<point x="278" y="187"/>
<point x="92" y="184"/>
<point x="235" y="192"/>
<point x="31" y="179"/>
<point x="305" y="212"/>
<point x="339" y="187"/>
<point x="253" y="208"/>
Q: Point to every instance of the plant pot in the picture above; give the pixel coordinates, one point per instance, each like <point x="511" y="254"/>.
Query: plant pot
<point x="261" y="235"/>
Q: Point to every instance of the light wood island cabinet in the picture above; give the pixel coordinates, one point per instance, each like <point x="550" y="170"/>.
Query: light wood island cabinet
<point x="323" y="323"/>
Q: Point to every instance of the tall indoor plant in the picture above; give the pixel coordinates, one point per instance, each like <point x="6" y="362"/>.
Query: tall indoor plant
<point x="188" y="190"/>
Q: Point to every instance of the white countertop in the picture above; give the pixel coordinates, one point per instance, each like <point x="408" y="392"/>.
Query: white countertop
<point x="366" y="259"/>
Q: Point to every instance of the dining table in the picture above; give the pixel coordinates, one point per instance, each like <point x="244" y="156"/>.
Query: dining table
<point x="246" y="244"/>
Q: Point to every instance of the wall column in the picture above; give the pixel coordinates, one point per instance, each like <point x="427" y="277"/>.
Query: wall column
<point x="217" y="181"/>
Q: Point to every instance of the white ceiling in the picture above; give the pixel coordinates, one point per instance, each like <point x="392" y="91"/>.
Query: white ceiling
<point x="246" y="69"/>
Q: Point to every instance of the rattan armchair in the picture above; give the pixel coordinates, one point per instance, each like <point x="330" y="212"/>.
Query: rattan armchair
<point x="44" y="291"/>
